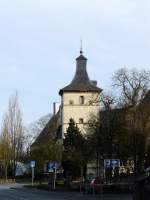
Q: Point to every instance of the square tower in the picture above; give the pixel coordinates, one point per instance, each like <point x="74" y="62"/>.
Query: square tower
<point x="78" y="98"/>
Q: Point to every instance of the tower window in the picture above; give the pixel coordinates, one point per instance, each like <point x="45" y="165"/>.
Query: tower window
<point x="81" y="99"/>
<point x="81" y="121"/>
<point x="71" y="102"/>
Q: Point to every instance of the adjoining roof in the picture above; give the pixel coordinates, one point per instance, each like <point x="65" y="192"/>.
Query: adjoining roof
<point x="50" y="131"/>
<point x="81" y="81"/>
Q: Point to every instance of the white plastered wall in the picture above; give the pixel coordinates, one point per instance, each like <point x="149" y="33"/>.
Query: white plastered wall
<point x="77" y="110"/>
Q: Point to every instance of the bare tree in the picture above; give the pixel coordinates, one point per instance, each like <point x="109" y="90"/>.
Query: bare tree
<point x="108" y="100"/>
<point x="132" y="85"/>
<point x="14" y="126"/>
<point x="33" y="131"/>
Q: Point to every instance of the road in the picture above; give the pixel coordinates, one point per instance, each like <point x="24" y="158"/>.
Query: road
<point x="20" y="193"/>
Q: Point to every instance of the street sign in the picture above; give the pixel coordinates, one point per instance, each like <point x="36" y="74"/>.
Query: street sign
<point x="32" y="163"/>
<point x="108" y="163"/>
<point x="115" y="163"/>
<point x="51" y="167"/>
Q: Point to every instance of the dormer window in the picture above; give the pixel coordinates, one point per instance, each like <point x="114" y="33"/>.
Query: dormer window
<point x="71" y="102"/>
<point x="81" y="99"/>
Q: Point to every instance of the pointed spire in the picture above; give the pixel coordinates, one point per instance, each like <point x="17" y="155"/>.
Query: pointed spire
<point x="81" y="52"/>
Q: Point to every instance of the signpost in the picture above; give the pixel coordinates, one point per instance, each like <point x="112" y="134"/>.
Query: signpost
<point x="52" y="168"/>
<point x="32" y="165"/>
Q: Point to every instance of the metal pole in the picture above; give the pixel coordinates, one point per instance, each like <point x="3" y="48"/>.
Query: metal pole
<point x="54" y="178"/>
<point x="32" y="176"/>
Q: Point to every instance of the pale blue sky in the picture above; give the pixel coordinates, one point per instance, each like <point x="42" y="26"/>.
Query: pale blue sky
<point x="40" y="39"/>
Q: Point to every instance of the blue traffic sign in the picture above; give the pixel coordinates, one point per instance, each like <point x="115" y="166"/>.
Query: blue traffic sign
<point x="51" y="167"/>
<point x="32" y="163"/>
<point x="111" y="163"/>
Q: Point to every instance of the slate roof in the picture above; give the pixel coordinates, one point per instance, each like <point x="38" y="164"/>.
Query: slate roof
<point x="49" y="131"/>
<point x="81" y="81"/>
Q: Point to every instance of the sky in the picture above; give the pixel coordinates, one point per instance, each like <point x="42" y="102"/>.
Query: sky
<point x="40" y="39"/>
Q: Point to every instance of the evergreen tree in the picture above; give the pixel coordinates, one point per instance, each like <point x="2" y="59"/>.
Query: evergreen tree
<point x="74" y="157"/>
<point x="73" y="138"/>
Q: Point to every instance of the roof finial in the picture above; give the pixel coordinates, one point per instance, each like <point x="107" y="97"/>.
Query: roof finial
<point x="81" y="46"/>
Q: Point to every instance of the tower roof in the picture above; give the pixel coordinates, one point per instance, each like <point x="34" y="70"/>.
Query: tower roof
<point x="81" y="81"/>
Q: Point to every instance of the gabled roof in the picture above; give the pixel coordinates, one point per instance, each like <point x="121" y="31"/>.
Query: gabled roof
<point x="49" y="131"/>
<point x="81" y="81"/>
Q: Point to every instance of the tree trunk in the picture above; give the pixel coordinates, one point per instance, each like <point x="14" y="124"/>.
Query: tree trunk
<point x="6" y="172"/>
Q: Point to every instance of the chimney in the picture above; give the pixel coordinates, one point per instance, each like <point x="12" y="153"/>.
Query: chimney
<point x="56" y="106"/>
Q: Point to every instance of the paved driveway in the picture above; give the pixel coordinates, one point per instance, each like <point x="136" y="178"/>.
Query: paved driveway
<point x="20" y="193"/>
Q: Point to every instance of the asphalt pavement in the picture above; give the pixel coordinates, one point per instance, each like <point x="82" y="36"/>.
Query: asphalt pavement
<point x="18" y="192"/>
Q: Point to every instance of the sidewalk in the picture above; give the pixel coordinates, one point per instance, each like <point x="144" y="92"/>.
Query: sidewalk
<point x="11" y="185"/>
